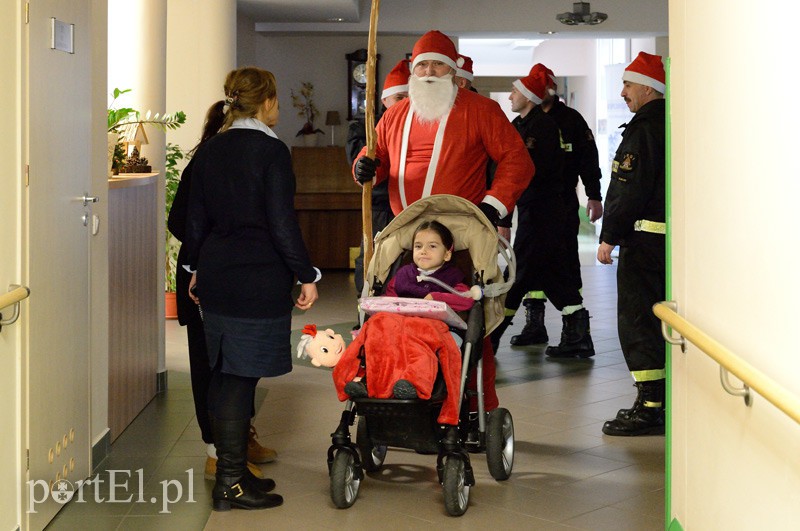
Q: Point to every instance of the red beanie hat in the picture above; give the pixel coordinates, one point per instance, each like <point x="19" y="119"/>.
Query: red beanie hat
<point x="647" y="70"/>
<point x="534" y="85"/>
<point x="465" y="70"/>
<point x="435" y="46"/>
<point x="397" y="80"/>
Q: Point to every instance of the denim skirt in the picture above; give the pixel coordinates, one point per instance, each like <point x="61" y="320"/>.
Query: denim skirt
<point x="255" y="347"/>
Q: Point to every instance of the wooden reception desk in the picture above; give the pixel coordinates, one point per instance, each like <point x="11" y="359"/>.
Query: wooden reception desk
<point x="133" y="291"/>
<point x="328" y="205"/>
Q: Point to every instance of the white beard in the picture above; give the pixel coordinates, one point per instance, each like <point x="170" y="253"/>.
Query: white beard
<point x="431" y="97"/>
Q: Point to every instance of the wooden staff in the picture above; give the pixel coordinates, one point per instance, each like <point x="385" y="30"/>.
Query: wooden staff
<point x="366" y="192"/>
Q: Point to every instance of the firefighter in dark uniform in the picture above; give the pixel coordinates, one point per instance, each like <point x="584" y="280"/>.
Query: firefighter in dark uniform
<point x="634" y="220"/>
<point x="580" y="159"/>
<point x="540" y="247"/>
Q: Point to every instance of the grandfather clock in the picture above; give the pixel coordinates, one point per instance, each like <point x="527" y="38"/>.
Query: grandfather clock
<point x="357" y="84"/>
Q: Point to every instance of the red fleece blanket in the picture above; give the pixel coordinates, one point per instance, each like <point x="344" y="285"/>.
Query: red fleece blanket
<point x="400" y="347"/>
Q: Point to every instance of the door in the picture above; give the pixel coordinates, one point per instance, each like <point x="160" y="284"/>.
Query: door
<point x="57" y="140"/>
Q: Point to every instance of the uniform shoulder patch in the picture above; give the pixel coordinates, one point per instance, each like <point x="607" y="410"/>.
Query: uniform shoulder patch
<point x="628" y="162"/>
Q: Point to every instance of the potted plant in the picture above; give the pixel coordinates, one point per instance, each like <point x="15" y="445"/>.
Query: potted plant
<point x="304" y="103"/>
<point x="123" y="123"/>
<point x="172" y="178"/>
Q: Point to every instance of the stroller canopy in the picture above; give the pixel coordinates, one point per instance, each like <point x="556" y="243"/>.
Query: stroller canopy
<point x="471" y="230"/>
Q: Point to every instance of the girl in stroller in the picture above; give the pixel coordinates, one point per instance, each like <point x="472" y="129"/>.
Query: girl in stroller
<point x="431" y="253"/>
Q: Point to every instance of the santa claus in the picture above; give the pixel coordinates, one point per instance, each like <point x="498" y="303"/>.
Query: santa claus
<point x="439" y="139"/>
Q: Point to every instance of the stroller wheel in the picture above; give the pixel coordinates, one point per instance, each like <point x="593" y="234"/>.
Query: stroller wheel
<point x="500" y="443"/>
<point x="456" y="490"/>
<point x="372" y="456"/>
<point x="344" y="482"/>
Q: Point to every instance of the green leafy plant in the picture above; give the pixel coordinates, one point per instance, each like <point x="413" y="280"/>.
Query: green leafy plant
<point x="124" y="120"/>
<point x="304" y="103"/>
<point x="172" y="177"/>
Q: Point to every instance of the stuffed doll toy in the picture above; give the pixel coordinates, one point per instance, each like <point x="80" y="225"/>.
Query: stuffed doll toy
<point x="323" y="348"/>
<point x="393" y="356"/>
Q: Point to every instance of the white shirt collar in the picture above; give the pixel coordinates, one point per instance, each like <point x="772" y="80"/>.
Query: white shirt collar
<point x="253" y="123"/>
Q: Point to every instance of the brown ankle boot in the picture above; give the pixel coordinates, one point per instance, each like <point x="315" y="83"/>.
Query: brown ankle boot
<point x="257" y="453"/>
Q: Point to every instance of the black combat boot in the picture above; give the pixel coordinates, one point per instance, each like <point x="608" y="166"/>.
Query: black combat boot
<point x="534" y="331"/>
<point x="625" y="413"/>
<point x="646" y="417"/>
<point x="498" y="332"/>
<point x="234" y="486"/>
<point x="576" y="340"/>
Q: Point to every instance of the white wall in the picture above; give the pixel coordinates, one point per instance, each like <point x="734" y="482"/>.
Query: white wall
<point x="10" y="260"/>
<point x="199" y="56"/>
<point x="734" y="221"/>
<point x="320" y="60"/>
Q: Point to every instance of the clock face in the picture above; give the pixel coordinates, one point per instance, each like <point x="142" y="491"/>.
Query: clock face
<point x="360" y="74"/>
<point x="357" y="84"/>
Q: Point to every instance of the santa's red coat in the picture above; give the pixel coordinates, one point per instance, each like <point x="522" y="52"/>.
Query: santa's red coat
<point x="477" y="130"/>
<point x="398" y="347"/>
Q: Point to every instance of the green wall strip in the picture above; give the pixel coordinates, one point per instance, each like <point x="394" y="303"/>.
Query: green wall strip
<point x="675" y="525"/>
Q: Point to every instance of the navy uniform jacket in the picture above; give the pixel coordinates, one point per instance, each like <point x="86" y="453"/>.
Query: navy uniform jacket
<point x="541" y="137"/>
<point x="637" y="189"/>
<point x="580" y="150"/>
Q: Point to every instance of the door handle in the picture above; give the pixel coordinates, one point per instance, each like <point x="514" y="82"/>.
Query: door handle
<point x="89" y="199"/>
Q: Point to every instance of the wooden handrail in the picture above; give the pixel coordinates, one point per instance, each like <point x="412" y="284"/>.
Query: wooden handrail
<point x="749" y="375"/>
<point x="14" y="296"/>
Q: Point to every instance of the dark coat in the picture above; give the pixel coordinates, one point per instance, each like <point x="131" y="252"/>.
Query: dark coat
<point x="580" y="150"/>
<point x="176" y="223"/>
<point x="637" y="189"/>
<point x="541" y="137"/>
<point x="242" y="233"/>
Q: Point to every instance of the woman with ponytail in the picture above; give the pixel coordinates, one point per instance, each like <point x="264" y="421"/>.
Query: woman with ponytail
<point x="244" y="246"/>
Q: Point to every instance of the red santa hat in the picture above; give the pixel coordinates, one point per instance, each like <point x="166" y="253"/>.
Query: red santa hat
<point x="550" y="76"/>
<point x="534" y="85"/>
<point x="647" y="70"/>
<point x="436" y="46"/>
<point x="465" y="70"/>
<point x="397" y="80"/>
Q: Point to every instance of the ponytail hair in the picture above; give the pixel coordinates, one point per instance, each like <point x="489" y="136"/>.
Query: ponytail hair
<point x="246" y="89"/>
<point x="214" y="120"/>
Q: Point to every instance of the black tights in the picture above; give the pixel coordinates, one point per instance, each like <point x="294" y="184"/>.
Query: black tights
<point x="230" y="397"/>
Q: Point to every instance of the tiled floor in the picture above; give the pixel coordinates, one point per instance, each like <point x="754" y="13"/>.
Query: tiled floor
<point x="567" y="474"/>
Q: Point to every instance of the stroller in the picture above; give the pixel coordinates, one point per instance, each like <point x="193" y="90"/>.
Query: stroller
<point x="412" y="424"/>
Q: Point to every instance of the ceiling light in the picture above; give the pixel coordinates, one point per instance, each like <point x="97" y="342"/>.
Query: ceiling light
<point x="581" y="15"/>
